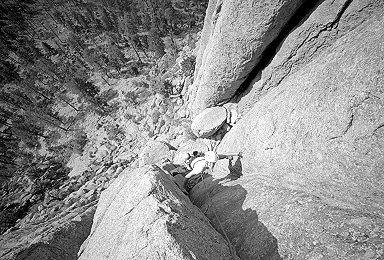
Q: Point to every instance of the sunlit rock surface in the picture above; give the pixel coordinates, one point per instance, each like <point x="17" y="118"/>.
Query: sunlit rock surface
<point x="310" y="183"/>
<point x="238" y="32"/>
<point x="144" y="215"/>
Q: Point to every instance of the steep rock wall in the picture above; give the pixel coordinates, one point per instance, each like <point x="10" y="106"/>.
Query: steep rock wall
<point x="240" y="32"/>
<point x="310" y="184"/>
<point x="303" y="41"/>
<point x="143" y="215"/>
<point x="205" y="34"/>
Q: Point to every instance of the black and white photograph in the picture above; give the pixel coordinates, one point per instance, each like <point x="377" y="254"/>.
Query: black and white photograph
<point x="192" y="129"/>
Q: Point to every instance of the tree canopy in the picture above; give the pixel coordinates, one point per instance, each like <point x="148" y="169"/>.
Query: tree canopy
<point x="50" y="50"/>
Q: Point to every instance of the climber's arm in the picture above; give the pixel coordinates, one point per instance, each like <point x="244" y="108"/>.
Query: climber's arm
<point x="230" y="156"/>
<point x="190" y="174"/>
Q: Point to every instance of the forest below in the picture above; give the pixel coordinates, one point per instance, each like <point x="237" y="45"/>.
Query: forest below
<point x="52" y="52"/>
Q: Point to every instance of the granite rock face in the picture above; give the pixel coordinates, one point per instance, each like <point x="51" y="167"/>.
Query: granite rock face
<point x="58" y="238"/>
<point x="205" y="34"/>
<point x="310" y="183"/>
<point x="306" y="39"/>
<point x="143" y="215"/>
<point x="239" y="32"/>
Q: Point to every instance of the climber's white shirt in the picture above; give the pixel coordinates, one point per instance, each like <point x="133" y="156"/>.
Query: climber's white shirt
<point x="198" y="166"/>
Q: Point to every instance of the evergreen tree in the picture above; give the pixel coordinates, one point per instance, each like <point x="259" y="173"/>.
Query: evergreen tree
<point x="8" y="72"/>
<point x="155" y="43"/>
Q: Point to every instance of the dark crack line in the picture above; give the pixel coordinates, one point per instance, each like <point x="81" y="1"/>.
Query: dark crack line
<point x="377" y="128"/>
<point x="361" y="102"/>
<point x="328" y="27"/>
<point x="350" y="122"/>
<point x="129" y="211"/>
<point x="349" y="125"/>
<point x="270" y="51"/>
<point x="139" y="252"/>
<point x="292" y="54"/>
<point x="216" y="13"/>
<point x="342" y="11"/>
<point x="261" y="65"/>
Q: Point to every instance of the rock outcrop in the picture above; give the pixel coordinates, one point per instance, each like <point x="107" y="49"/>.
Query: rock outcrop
<point x="239" y="32"/>
<point x="58" y="238"/>
<point x="310" y="183"/>
<point x="143" y="215"/>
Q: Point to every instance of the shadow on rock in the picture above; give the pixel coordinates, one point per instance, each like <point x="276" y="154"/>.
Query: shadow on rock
<point x="221" y="200"/>
<point x="235" y="170"/>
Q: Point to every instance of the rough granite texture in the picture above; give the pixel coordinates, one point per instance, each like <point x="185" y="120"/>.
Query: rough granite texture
<point x="229" y="56"/>
<point x="310" y="183"/>
<point x="59" y="238"/>
<point x="328" y="22"/>
<point x="143" y="215"/>
<point x="205" y="34"/>
<point x="209" y="121"/>
<point x="154" y="152"/>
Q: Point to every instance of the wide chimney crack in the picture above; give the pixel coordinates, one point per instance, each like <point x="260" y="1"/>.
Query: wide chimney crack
<point x="269" y="53"/>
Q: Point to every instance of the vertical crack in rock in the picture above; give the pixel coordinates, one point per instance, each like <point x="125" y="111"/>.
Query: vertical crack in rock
<point x="217" y="12"/>
<point x="289" y="63"/>
<point x="342" y="11"/>
<point x="286" y="67"/>
<point x="302" y="12"/>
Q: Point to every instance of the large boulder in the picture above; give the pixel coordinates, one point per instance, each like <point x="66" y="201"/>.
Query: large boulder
<point x="143" y="215"/>
<point x="310" y="183"/>
<point x="240" y="31"/>
<point x="209" y="121"/>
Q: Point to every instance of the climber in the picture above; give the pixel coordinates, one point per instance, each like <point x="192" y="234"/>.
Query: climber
<point x="198" y="163"/>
